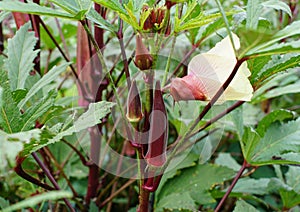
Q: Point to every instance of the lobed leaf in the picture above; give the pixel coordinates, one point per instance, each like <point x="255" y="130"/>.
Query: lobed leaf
<point x="90" y="118"/>
<point x="273" y="147"/>
<point x="278" y="63"/>
<point x="44" y="81"/>
<point x="20" y="57"/>
<point x="277" y="115"/>
<point x="10" y="116"/>
<point x="37" y="110"/>
<point x="194" y="182"/>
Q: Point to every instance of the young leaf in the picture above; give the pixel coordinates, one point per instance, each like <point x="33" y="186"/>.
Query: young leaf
<point x="254" y="9"/>
<point x="90" y="118"/>
<point x="44" y="81"/>
<point x="20" y="57"/>
<point x="244" y="206"/>
<point x="31" y="8"/>
<point x="32" y="201"/>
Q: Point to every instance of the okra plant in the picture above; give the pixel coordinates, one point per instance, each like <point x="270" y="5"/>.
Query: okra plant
<point x="152" y="105"/>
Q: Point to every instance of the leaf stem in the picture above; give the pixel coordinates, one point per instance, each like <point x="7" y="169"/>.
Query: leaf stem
<point x="237" y="177"/>
<point x="123" y="53"/>
<point x="226" y="25"/>
<point x="51" y="178"/>
<point x="20" y="171"/>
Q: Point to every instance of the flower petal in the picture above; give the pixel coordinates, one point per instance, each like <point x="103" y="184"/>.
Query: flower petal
<point x="213" y="69"/>
<point x="224" y="48"/>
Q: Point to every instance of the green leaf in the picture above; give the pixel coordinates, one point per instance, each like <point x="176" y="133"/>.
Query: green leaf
<point x="95" y="17"/>
<point x="278" y="5"/>
<point x="197" y="22"/>
<point x="277" y="115"/>
<point x="12" y="144"/>
<point x="279" y="80"/>
<point x="279" y="48"/>
<point x="277" y="64"/>
<point x="3" y="203"/>
<point x="256" y="65"/>
<point x="290" y="199"/>
<point x="176" y="201"/>
<point x="242" y="206"/>
<point x="32" y="201"/>
<point x="20" y="57"/>
<point x="238" y="121"/>
<point x="272" y="148"/>
<point x="288" y="31"/>
<point x="1" y="100"/>
<point x="225" y="159"/>
<point x="78" y="8"/>
<point x="113" y="5"/>
<point x="44" y="81"/>
<point x="293" y="178"/>
<point x="90" y="118"/>
<point x="291" y="88"/>
<point x="252" y="186"/>
<point x="253" y="10"/>
<point x="196" y="183"/>
<point x="31" y="8"/>
<point x="249" y="142"/>
<point x="209" y="29"/>
<point x="288" y="188"/>
<point x="38" y="110"/>
<point x="10" y="116"/>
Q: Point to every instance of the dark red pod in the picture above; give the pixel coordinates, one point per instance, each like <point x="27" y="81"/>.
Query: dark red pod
<point x="158" y="133"/>
<point x="143" y="58"/>
<point x="134" y="107"/>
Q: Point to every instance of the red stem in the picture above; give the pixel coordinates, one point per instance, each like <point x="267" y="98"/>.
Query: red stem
<point x="20" y="171"/>
<point x="51" y="178"/>
<point x="237" y="177"/>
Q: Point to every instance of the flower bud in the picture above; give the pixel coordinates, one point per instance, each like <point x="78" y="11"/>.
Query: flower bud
<point x="154" y="21"/>
<point x="169" y="4"/>
<point x="158" y="133"/>
<point x="134" y="107"/>
<point x="187" y="88"/>
<point x="143" y="59"/>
